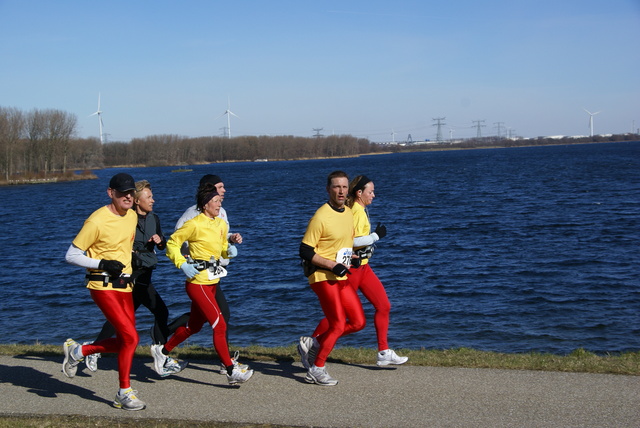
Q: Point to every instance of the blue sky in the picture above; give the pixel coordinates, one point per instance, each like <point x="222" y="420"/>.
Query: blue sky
<point x="366" y="68"/>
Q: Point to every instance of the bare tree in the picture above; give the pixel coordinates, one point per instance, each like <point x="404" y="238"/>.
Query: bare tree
<point x="61" y="126"/>
<point x="85" y="153"/>
<point x="11" y="130"/>
<point x="49" y="132"/>
<point x="36" y="129"/>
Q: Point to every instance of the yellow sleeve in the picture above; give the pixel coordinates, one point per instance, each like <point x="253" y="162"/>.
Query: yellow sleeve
<point x="87" y="235"/>
<point x="314" y="232"/>
<point x="225" y="242"/>
<point x="174" y="244"/>
<point x="361" y="223"/>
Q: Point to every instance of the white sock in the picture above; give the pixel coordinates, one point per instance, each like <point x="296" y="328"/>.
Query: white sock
<point x="77" y="354"/>
<point x="123" y="391"/>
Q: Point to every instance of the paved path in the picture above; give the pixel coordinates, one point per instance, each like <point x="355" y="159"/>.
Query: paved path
<point x="366" y="396"/>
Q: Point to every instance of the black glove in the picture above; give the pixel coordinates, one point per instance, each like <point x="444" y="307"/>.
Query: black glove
<point x="381" y="230"/>
<point x="113" y="267"/>
<point x="340" y="270"/>
<point x="355" y="262"/>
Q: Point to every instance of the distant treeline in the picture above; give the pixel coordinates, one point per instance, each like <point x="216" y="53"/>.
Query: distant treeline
<point x="161" y="150"/>
<point x="40" y="143"/>
<point x="157" y="150"/>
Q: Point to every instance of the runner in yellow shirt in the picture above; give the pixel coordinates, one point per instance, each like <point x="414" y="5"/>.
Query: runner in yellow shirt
<point x="207" y="237"/>
<point x="326" y="249"/>
<point x="361" y="194"/>
<point x="103" y="246"/>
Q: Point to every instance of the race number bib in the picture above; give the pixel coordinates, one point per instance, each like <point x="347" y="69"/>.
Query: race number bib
<point x="217" y="271"/>
<point x="344" y="256"/>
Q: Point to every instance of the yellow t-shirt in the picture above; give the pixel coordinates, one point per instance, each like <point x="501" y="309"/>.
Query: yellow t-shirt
<point x="207" y="237"/>
<point x="108" y="236"/>
<point x="361" y="225"/>
<point x="328" y="232"/>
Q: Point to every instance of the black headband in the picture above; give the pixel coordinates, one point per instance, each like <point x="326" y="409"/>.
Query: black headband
<point x="361" y="183"/>
<point x="210" y="196"/>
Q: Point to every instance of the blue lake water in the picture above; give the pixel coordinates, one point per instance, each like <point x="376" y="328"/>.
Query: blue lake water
<point x="510" y="250"/>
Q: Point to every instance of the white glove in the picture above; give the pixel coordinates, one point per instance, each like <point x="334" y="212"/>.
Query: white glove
<point x="189" y="269"/>
<point x="232" y="251"/>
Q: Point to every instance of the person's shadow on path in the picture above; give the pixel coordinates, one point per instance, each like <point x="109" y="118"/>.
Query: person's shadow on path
<point x="44" y="384"/>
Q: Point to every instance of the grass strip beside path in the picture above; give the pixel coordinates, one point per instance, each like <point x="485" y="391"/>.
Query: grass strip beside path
<point x="580" y="360"/>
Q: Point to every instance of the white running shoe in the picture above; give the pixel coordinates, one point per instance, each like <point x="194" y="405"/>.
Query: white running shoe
<point x="320" y="376"/>
<point x="173" y="366"/>
<point x="91" y="360"/>
<point x="234" y="360"/>
<point x="389" y="356"/>
<point x="70" y="363"/>
<point x="128" y="401"/>
<point x="305" y="345"/>
<point x="158" y="358"/>
<point x="239" y="376"/>
<point x="164" y="365"/>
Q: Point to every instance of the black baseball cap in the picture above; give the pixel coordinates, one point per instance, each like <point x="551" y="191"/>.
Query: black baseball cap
<point x="122" y="182"/>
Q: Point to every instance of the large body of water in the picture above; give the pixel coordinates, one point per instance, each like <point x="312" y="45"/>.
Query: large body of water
<point x="511" y="250"/>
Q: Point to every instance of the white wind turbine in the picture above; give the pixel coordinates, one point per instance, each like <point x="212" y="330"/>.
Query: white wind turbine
<point x="590" y="119"/>
<point x="99" y="114"/>
<point x="229" y="113"/>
